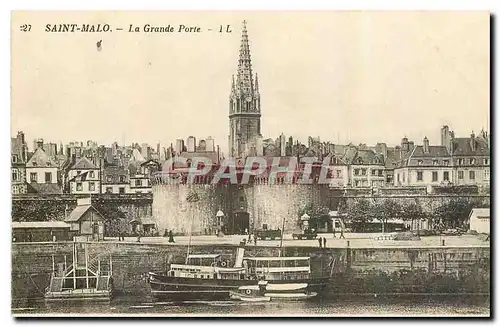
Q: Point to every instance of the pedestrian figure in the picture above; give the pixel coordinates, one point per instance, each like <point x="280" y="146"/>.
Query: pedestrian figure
<point x="319" y="240"/>
<point x="171" y="237"/>
<point x="324" y="242"/>
<point x="342" y="233"/>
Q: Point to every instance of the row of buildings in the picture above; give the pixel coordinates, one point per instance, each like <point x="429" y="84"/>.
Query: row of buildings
<point x="88" y="170"/>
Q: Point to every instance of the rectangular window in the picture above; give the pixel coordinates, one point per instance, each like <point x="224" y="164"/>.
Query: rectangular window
<point x="356" y="172"/>
<point x="398" y="177"/>
<point x="446" y="162"/>
<point x="121" y="190"/>
<point x="446" y="176"/>
<point x="486" y="175"/>
<point x="486" y="161"/>
<point x="109" y="190"/>
<point x="460" y="174"/>
<point x="91" y="174"/>
<point x="381" y="172"/>
<point x="435" y="162"/>
<point x="472" y="175"/>
<point x="472" y="161"/>
<point x="339" y="174"/>
<point x="14" y="175"/>
<point x="373" y="172"/>
<point x="79" y="187"/>
<point x="404" y="177"/>
<point x="14" y="158"/>
<point x="460" y="161"/>
<point x="434" y="176"/>
<point x="91" y="186"/>
<point x="363" y="171"/>
<point x="138" y="182"/>
<point x="33" y="177"/>
<point x="122" y="179"/>
<point x="48" y="177"/>
<point x="420" y="176"/>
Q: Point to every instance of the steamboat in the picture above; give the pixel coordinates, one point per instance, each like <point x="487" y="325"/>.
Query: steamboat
<point x="209" y="277"/>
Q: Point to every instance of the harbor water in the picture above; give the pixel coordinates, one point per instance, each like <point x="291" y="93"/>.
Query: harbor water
<point x="369" y="305"/>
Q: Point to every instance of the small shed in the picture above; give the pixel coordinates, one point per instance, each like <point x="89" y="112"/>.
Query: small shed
<point x="86" y="220"/>
<point x="479" y="220"/>
<point x="40" y="231"/>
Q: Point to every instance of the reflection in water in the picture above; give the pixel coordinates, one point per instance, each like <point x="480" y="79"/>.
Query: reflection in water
<point x="358" y="306"/>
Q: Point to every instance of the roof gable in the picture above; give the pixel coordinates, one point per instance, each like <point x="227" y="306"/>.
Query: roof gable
<point x="79" y="211"/>
<point x="40" y="159"/>
<point x="84" y="163"/>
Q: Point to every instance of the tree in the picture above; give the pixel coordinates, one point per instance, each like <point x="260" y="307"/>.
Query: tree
<point x="412" y="211"/>
<point x="456" y="212"/>
<point x="360" y="213"/>
<point x="385" y="210"/>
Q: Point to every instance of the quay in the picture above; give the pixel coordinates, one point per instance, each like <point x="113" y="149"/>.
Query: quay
<point x="32" y="263"/>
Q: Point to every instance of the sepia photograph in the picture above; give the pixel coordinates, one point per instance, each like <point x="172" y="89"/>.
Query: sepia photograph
<point x="250" y="164"/>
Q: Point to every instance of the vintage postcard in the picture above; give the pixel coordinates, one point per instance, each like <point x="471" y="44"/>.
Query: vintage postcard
<point x="176" y="163"/>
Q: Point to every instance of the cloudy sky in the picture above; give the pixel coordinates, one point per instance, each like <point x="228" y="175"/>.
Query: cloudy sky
<point x="343" y="76"/>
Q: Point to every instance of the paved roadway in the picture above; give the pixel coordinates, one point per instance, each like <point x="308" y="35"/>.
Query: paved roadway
<point x="356" y="240"/>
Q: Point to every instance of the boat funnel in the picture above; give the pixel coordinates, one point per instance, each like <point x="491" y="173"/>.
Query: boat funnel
<point x="240" y="252"/>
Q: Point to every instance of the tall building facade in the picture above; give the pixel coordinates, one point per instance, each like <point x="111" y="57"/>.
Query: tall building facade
<point x="244" y="104"/>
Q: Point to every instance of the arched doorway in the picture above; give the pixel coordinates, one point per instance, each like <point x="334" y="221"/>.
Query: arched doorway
<point x="239" y="222"/>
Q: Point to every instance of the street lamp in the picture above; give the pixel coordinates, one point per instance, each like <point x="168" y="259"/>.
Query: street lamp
<point x="305" y="221"/>
<point x="219" y="216"/>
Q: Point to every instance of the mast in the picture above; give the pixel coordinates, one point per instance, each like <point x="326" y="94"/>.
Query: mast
<point x="191" y="198"/>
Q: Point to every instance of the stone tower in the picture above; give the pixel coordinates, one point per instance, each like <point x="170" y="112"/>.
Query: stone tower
<point x="244" y="104"/>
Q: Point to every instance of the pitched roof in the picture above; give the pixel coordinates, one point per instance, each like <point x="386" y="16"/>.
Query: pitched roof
<point x="78" y="212"/>
<point x="480" y="212"/>
<point x="40" y="224"/>
<point x="40" y="159"/>
<point x="435" y="151"/>
<point x="462" y="146"/>
<point x="44" y="188"/>
<point x="84" y="163"/>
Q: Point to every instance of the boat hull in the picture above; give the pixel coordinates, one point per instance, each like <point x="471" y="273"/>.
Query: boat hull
<point x="169" y="288"/>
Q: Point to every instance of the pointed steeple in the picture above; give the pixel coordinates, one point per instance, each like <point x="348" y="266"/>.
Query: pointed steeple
<point x="256" y="84"/>
<point x="233" y="86"/>
<point x="244" y="78"/>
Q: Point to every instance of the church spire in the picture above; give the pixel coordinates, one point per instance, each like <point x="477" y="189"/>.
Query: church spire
<point x="256" y="84"/>
<point x="244" y="77"/>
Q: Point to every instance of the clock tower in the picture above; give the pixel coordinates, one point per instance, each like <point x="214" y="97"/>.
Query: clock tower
<point x="244" y="103"/>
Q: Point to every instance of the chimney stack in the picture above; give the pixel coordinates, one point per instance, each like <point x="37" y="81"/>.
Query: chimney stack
<point x="426" y="145"/>
<point x="473" y="141"/>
